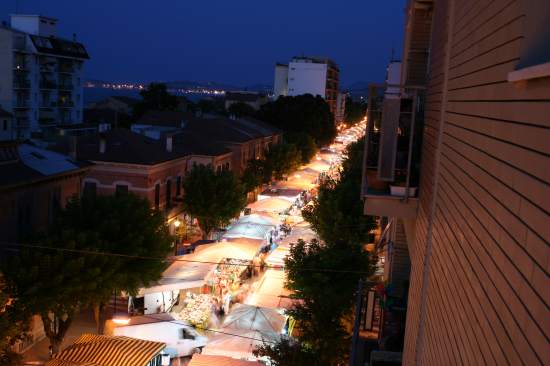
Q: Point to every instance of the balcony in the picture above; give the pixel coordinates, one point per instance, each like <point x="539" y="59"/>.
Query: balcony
<point x="48" y="84"/>
<point x="21" y="103"/>
<point x="392" y="150"/>
<point x="20" y="83"/>
<point x="65" y="104"/>
<point x="66" y="68"/>
<point x="66" y="86"/>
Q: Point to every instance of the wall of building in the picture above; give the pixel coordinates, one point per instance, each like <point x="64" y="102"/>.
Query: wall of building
<point x="280" y="86"/>
<point x="32" y="207"/>
<point x="479" y="284"/>
<point x="6" y="70"/>
<point x="307" y="77"/>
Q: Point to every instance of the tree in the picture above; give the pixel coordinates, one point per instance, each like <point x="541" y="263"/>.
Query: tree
<point x="57" y="283"/>
<point x="12" y="325"/>
<point x="337" y="213"/>
<point x="304" y="143"/>
<point x="287" y="353"/>
<point x="155" y="97"/>
<point x="241" y="110"/>
<point x="213" y="198"/>
<point x="355" y="111"/>
<point x="281" y="159"/>
<point x="254" y="175"/>
<point x="301" y="114"/>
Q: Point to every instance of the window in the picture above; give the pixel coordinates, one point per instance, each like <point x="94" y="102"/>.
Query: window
<point x="90" y="189"/>
<point x="168" y="193"/>
<point x="5" y="125"/>
<point x="178" y="186"/>
<point x="157" y="196"/>
<point x="121" y="189"/>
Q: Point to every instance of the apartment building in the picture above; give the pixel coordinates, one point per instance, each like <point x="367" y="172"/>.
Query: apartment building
<point x="124" y="161"/>
<point x="457" y="167"/>
<point x="252" y="99"/>
<point x="40" y="75"/>
<point x="7" y="130"/>
<point x="340" y="108"/>
<point x="308" y="75"/>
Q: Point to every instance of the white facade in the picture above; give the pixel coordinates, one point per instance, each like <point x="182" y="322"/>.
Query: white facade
<point x="393" y="77"/>
<point x="280" y="85"/>
<point x="41" y="76"/>
<point x="307" y="78"/>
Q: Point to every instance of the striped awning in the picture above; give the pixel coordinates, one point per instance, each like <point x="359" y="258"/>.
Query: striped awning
<point x="99" y="350"/>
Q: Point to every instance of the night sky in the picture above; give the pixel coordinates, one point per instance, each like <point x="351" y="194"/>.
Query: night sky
<point x="228" y="41"/>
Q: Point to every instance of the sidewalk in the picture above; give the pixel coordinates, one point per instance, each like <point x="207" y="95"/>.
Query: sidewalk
<point x="83" y="323"/>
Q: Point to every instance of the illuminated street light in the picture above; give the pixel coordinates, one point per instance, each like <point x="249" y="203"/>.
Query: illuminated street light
<point x="121" y="319"/>
<point x="177" y="223"/>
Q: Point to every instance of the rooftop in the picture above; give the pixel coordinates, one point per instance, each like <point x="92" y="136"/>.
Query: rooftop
<point x="59" y="46"/>
<point x="27" y="163"/>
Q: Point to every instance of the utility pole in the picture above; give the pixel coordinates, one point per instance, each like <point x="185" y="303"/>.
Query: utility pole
<point x="355" y="339"/>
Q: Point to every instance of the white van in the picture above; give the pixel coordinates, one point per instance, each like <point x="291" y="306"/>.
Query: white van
<point x="181" y="340"/>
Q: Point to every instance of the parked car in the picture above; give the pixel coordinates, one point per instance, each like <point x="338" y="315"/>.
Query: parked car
<point x="181" y="339"/>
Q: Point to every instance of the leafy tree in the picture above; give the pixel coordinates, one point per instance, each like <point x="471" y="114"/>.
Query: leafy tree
<point x="12" y="325"/>
<point x="303" y="142"/>
<point x="253" y="175"/>
<point x="241" y="110"/>
<point x="213" y="198"/>
<point x="337" y="212"/>
<point x="281" y="159"/>
<point x="355" y="111"/>
<point x="57" y="283"/>
<point x="327" y="295"/>
<point x="301" y="114"/>
<point x="155" y="97"/>
<point x="287" y="353"/>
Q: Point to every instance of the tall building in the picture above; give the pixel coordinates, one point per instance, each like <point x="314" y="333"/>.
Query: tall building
<point x="40" y="75"/>
<point x="308" y="75"/>
<point x="458" y="169"/>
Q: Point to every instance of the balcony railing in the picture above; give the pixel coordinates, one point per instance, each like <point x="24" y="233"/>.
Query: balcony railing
<point x="392" y="150"/>
<point x="21" y="103"/>
<point x="21" y="84"/>
<point x="47" y="84"/>
<point x="66" y="86"/>
<point x="65" y="104"/>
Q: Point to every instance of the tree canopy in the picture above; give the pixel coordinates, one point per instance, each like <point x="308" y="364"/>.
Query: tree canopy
<point x="155" y="97"/>
<point x="213" y="198"/>
<point x="55" y="283"/>
<point x="337" y="211"/>
<point x="301" y="114"/>
<point x="355" y="111"/>
<point x="241" y="109"/>
<point x="281" y="159"/>
<point x="13" y="322"/>
<point x="304" y="143"/>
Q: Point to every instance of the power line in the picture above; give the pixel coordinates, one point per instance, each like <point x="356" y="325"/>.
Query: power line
<point x="179" y="322"/>
<point x="130" y="256"/>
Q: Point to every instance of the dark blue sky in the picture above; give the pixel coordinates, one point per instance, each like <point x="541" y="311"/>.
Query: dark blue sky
<point x="230" y="41"/>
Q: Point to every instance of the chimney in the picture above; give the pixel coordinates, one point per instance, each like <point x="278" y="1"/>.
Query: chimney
<point x="169" y="143"/>
<point x="102" y="144"/>
<point x="72" y="147"/>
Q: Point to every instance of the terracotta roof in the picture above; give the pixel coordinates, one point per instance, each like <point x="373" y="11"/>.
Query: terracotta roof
<point x="164" y="118"/>
<point x="125" y="146"/>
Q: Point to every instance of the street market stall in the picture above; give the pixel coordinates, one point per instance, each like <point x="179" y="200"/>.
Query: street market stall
<point x="271" y="204"/>
<point x="270" y="291"/>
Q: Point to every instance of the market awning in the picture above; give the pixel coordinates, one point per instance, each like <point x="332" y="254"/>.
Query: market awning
<point x="249" y="317"/>
<point x="271" y="292"/>
<point x="248" y="230"/>
<point x="271" y="204"/>
<point x="190" y="271"/>
<point x="100" y="350"/>
<point x="237" y="343"/>
<point x="211" y="360"/>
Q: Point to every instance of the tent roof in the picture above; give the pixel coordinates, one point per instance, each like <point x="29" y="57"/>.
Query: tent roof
<point x="250" y="317"/>
<point x="272" y="204"/>
<point x="212" y="360"/>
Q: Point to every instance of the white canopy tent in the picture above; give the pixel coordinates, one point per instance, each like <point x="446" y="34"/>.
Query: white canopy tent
<point x="270" y="292"/>
<point x="271" y="204"/>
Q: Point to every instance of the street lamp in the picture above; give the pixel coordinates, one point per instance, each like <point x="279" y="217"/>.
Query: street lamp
<point x="177" y="223"/>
